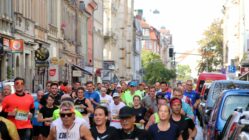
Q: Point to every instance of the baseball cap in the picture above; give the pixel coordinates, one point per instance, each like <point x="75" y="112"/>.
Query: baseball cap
<point x="115" y="95"/>
<point x="126" y="112"/>
<point x="133" y="83"/>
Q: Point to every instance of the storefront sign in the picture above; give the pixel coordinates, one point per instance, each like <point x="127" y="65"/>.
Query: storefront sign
<point x="41" y="63"/>
<point x="16" y="45"/>
<point x="42" y="54"/>
<point x="77" y="73"/>
<point x="53" y="73"/>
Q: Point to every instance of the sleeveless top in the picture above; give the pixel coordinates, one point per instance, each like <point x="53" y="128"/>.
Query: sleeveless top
<point x="72" y="133"/>
<point x="79" y="102"/>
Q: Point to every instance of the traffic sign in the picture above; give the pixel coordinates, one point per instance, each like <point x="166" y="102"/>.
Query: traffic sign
<point x="231" y="69"/>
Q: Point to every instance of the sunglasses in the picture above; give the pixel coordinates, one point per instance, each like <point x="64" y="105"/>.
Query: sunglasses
<point x="19" y="83"/>
<point x="62" y="115"/>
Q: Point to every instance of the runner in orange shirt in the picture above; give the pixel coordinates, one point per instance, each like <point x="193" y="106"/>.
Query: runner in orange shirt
<point x="19" y="108"/>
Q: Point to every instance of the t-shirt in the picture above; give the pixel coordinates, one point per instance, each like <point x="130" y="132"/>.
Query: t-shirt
<point x="193" y="95"/>
<point x="57" y="99"/>
<point x="136" y="134"/>
<point x="47" y="112"/>
<point x="140" y="112"/>
<point x="106" y="100"/>
<point x="184" y="124"/>
<point x="94" y="95"/>
<point x="34" y="119"/>
<point x="22" y="104"/>
<point x="127" y="97"/>
<point x="114" y="111"/>
<point x="171" y="134"/>
<point x="149" y="103"/>
<point x="111" y="133"/>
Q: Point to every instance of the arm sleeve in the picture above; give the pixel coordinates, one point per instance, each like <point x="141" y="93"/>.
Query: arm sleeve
<point x="191" y="123"/>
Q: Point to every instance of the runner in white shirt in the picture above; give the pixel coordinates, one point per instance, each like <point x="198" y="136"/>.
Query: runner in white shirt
<point x="69" y="129"/>
<point x="105" y="99"/>
<point x="114" y="108"/>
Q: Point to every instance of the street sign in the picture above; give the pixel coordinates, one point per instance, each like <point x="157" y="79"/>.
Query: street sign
<point x="231" y="69"/>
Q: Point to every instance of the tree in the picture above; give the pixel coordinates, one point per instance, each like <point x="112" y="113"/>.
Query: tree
<point x="154" y="69"/>
<point x="183" y="72"/>
<point x="211" y="48"/>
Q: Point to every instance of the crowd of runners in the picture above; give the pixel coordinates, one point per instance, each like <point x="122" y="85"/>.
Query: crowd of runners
<point x="102" y="111"/>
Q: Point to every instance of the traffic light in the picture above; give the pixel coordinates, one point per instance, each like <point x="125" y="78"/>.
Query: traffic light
<point x="171" y="52"/>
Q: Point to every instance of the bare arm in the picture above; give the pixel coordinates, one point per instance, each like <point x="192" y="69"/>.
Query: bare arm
<point x="192" y="133"/>
<point x="85" y="133"/>
<point x="90" y="106"/>
<point x="52" y="134"/>
<point x="41" y="119"/>
<point x="180" y="137"/>
<point x="150" y="122"/>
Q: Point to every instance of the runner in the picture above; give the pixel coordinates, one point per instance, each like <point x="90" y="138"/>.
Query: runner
<point x="186" y="109"/>
<point x="6" y="90"/>
<point x="8" y="130"/>
<point x="105" y="99"/>
<point x="155" y="117"/>
<point x="45" y="116"/>
<point x="93" y="96"/>
<point x="101" y="130"/>
<point x="114" y="108"/>
<point x="127" y="97"/>
<point x="165" y="129"/>
<point x="19" y="108"/>
<point x="53" y="92"/>
<point x="83" y="105"/>
<point x="37" y="125"/>
<point x="139" y="111"/>
<point x="129" y="130"/>
<point x="185" y="124"/>
<point x="69" y="129"/>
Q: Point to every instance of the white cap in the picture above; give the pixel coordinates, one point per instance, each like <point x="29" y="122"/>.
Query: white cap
<point x="115" y="95"/>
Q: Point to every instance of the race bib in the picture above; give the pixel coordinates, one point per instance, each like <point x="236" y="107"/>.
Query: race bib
<point x="79" y="108"/>
<point x="21" y="115"/>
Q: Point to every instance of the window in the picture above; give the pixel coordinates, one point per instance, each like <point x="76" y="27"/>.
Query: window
<point x="232" y="102"/>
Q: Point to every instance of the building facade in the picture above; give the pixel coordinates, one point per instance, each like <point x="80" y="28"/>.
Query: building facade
<point x="236" y="34"/>
<point x="118" y="39"/>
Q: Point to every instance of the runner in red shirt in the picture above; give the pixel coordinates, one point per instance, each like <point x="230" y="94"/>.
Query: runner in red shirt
<point x="19" y="108"/>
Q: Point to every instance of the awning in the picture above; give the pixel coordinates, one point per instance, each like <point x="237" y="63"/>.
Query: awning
<point x="84" y="71"/>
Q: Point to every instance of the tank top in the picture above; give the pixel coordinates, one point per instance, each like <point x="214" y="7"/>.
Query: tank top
<point x="72" y="133"/>
<point x="79" y="102"/>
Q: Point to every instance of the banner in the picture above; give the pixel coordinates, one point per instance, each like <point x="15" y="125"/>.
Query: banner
<point x="53" y="73"/>
<point x="16" y="45"/>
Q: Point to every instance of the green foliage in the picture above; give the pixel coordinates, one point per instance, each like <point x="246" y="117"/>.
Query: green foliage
<point x="183" y="72"/>
<point x="211" y="48"/>
<point x="154" y="69"/>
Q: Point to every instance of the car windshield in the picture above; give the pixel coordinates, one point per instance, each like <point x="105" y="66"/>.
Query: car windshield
<point x="232" y="102"/>
<point x="219" y="87"/>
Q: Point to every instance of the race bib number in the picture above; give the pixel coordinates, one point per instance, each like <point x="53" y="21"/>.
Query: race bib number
<point x="79" y="108"/>
<point x="21" y="115"/>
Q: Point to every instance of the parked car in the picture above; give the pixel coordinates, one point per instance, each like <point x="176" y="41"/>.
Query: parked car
<point x="215" y="90"/>
<point x="208" y="77"/>
<point x="239" y="130"/>
<point x="223" y="108"/>
<point x="232" y="120"/>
